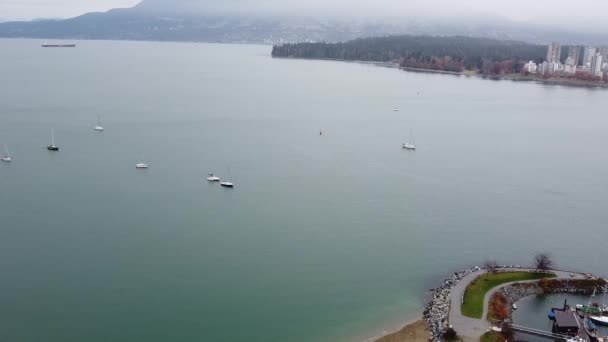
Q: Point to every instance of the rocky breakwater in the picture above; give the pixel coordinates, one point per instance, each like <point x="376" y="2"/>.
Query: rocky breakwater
<point x="437" y="309"/>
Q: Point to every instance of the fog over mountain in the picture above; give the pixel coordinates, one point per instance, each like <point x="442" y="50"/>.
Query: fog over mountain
<point x="272" y="21"/>
<point x="591" y="12"/>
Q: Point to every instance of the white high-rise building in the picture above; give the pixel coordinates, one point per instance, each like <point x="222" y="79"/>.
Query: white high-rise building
<point x="604" y="52"/>
<point x="543" y="68"/>
<point x="554" y="53"/>
<point x="596" y="65"/>
<point x="574" y="52"/>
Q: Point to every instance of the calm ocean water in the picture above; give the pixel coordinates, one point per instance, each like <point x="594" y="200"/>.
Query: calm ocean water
<point x="324" y="238"/>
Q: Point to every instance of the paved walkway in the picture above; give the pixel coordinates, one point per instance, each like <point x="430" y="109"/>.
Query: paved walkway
<point x="471" y="329"/>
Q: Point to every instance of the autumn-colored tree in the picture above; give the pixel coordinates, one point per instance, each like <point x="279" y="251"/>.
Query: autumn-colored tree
<point x="498" y="307"/>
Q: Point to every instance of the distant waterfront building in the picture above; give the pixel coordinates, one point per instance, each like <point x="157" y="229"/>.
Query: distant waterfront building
<point x="543" y="68"/>
<point x="554" y="53"/>
<point x="590" y="51"/>
<point x="604" y="52"/>
<point x="570" y="66"/>
<point x="596" y="65"/>
<point x="574" y="52"/>
<point x="531" y="67"/>
<point x="555" y="68"/>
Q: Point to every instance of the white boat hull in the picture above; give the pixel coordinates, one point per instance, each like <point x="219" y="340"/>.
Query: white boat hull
<point x="600" y="320"/>
<point x="213" y="178"/>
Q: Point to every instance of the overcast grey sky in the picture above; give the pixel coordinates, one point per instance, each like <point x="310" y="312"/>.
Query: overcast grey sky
<point x="554" y="10"/>
<point x="32" y="9"/>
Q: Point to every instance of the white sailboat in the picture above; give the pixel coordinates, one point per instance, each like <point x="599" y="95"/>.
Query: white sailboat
<point x="99" y="127"/>
<point x="411" y="145"/>
<point x="52" y="146"/>
<point x="588" y="325"/>
<point x="7" y="156"/>
<point x="141" y="165"/>
<point x="227" y="184"/>
<point x="601" y="319"/>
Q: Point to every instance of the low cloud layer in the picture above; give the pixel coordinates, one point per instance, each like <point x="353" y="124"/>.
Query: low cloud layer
<point x="587" y="14"/>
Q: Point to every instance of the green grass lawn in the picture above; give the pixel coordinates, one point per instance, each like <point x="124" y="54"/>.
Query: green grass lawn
<point x="476" y="291"/>
<point x="491" y="337"/>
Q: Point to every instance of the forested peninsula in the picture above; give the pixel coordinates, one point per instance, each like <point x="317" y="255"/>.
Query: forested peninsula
<point x="455" y="54"/>
<point x="504" y="59"/>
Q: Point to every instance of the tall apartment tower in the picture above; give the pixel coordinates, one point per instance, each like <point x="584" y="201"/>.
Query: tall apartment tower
<point x="596" y="65"/>
<point x="574" y="52"/>
<point x="604" y="52"/>
<point x="554" y="53"/>
<point x="590" y="51"/>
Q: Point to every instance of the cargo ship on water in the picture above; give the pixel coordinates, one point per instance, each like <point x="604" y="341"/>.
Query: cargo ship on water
<point x="46" y="45"/>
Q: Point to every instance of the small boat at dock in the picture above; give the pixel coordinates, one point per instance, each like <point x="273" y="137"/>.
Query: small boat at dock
<point x="599" y="320"/>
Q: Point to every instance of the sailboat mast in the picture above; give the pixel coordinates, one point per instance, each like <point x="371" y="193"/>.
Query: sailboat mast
<point x="590" y="300"/>
<point x="52" y="136"/>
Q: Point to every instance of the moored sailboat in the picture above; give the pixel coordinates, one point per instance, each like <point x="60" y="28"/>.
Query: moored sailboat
<point x="411" y="145"/>
<point x="99" y="127"/>
<point x="141" y="164"/>
<point x="228" y="184"/>
<point x="7" y="156"/>
<point x="52" y="146"/>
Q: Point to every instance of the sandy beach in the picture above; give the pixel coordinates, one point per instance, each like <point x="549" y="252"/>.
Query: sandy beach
<point x="414" y="332"/>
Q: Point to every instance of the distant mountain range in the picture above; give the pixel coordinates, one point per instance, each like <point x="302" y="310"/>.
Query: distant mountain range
<point x="200" y="21"/>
